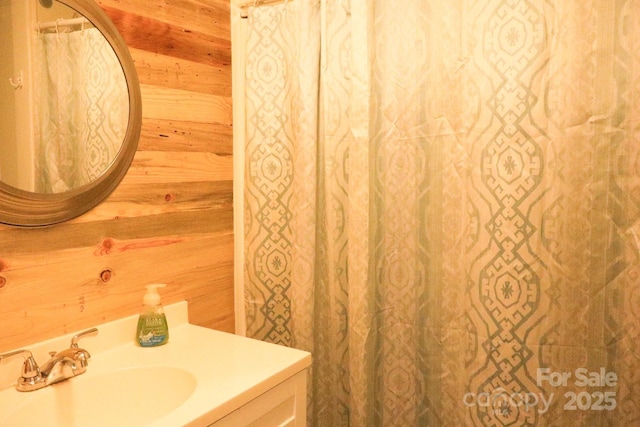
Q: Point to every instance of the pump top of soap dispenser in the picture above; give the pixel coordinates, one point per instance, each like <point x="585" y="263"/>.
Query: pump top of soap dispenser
<point x="152" y="297"/>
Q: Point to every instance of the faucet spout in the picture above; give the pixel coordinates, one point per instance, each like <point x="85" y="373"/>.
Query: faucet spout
<point x="58" y="369"/>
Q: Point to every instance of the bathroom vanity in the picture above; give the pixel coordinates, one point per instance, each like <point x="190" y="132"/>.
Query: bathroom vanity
<point x="202" y="377"/>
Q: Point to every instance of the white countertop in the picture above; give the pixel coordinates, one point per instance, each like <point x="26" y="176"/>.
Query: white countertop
<point x="230" y="370"/>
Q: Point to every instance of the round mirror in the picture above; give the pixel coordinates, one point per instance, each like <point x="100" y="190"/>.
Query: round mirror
<point x="71" y="109"/>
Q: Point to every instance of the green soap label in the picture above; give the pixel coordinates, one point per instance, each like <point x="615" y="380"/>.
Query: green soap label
<point x="153" y="322"/>
<point x="152" y="331"/>
<point x="151" y="339"/>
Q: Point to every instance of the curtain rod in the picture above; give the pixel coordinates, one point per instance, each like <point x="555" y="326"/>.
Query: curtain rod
<point x="62" y="23"/>
<point x="256" y="3"/>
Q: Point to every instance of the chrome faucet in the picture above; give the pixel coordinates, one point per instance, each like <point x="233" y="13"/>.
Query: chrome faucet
<point x="61" y="366"/>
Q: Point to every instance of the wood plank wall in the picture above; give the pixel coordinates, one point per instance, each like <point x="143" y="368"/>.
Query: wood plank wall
<point x="170" y="220"/>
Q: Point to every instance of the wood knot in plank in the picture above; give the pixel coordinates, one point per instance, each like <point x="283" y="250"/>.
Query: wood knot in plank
<point x="106" y="275"/>
<point x="106" y="246"/>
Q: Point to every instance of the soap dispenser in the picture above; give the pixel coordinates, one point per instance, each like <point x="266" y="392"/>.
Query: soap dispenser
<point x="152" y="324"/>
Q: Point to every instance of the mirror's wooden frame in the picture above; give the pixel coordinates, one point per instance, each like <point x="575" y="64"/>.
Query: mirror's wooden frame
<point x="23" y="208"/>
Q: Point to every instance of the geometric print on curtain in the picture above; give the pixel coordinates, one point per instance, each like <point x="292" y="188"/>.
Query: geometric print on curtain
<point x="269" y="167"/>
<point x="476" y="209"/>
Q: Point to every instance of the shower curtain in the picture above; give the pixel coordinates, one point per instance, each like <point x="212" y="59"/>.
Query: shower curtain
<point x="81" y="108"/>
<point x="442" y="204"/>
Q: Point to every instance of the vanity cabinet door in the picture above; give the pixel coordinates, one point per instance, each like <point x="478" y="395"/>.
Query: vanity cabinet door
<point x="285" y="405"/>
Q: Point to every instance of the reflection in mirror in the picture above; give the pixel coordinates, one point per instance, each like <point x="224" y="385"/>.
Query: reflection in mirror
<point x="65" y="98"/>
<point x="59" y="179"/>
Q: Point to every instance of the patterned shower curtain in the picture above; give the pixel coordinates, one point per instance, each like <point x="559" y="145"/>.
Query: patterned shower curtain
<point x="81" y="109"/>
<point x="442" y="204"/>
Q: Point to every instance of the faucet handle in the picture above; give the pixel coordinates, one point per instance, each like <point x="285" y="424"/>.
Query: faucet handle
<point x="31" y="375"/>
<point x="30" y="368"/>
<point x="88" y="333"/>
<point x="80" y="355"/>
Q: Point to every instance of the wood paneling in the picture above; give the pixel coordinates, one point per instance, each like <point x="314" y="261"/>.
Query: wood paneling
<point x="170" y="220"/>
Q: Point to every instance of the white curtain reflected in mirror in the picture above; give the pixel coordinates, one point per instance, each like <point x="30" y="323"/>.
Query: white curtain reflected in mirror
<point x="81" y="107"/>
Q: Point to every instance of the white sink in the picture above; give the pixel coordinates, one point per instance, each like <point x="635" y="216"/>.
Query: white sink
<point x="197" y="378"/>
<point x="125" y="397"/>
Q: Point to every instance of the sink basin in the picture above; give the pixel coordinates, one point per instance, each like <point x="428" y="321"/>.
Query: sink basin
<point x="124" y="397"/>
